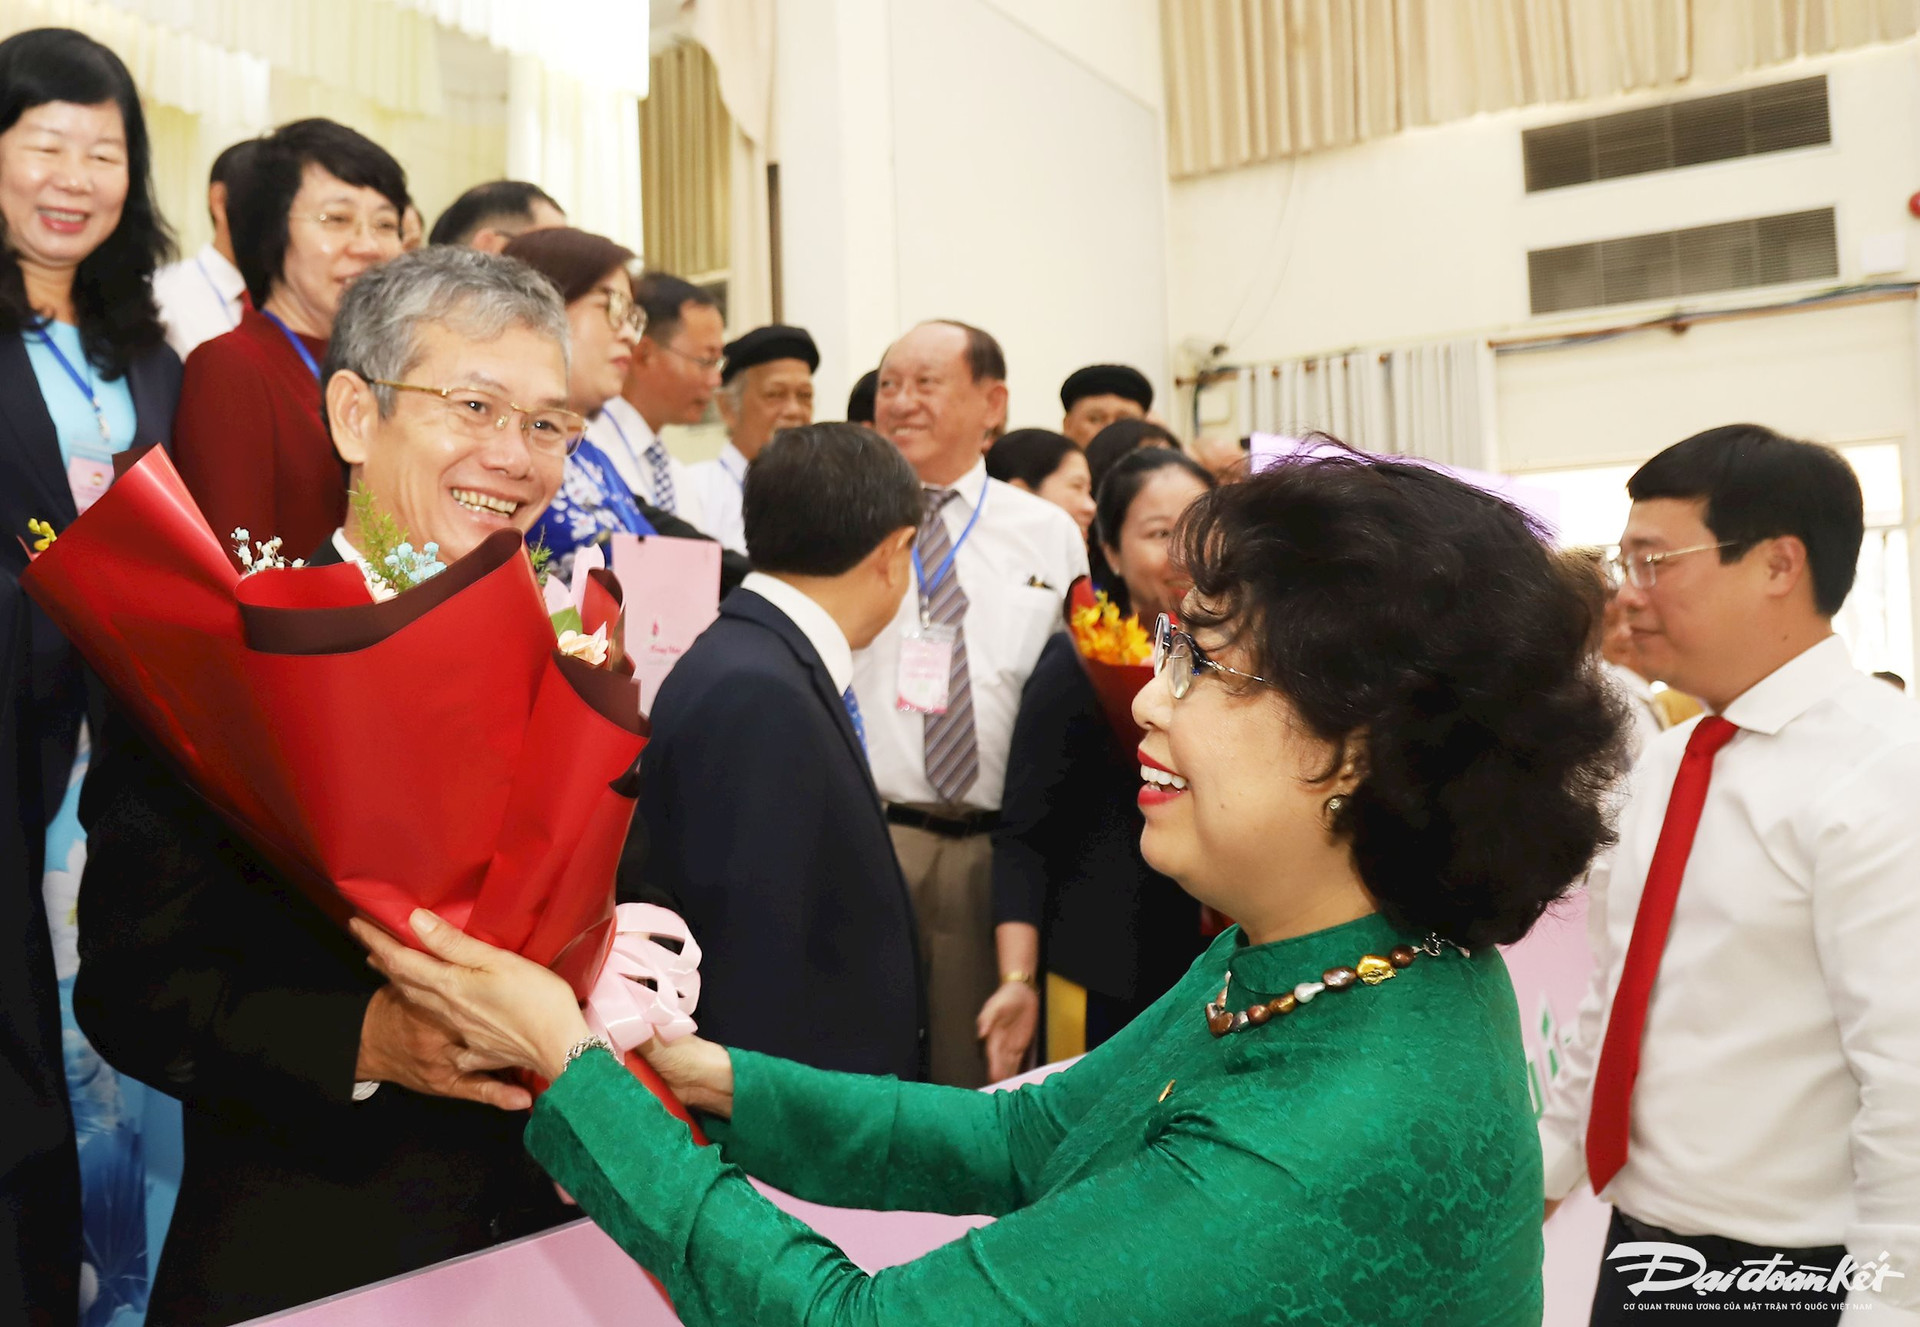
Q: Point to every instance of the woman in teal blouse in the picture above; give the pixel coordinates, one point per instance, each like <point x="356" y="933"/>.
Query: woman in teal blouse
<point x="1381" y="750"/>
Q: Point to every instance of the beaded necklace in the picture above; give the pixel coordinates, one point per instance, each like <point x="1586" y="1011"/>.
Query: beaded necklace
<point x="1371" y="970"/>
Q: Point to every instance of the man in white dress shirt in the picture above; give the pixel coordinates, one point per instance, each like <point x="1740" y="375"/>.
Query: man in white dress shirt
<point x="941" y="686"/>
<point x="201" y="297"/>
<point x="766" y="386"/>
<point x="675" y="372"/>
<point x="1744" y="1084"/>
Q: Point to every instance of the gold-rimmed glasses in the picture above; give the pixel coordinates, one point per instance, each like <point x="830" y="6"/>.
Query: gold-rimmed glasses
<point x="1177" y="654"/>
<point x="476" y="412"/>
<point x="623" y="311"/>
<point x="1639" y="569"/>
<point x="344" y="224"/>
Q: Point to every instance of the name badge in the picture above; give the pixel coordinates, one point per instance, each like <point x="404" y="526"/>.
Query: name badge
<point x="88" y="478"/>
<point x="926" y="668"/>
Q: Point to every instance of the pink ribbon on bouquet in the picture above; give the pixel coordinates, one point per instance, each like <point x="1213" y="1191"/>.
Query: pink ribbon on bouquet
<point x="646" y="989"/>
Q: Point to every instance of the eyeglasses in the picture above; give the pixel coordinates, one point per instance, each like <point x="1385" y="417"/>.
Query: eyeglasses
<point x="1177" y="655"/>
<point x="476" y="414"/>
<point x="347" y="225"/>
<point x="1639" y="569"/>
<point x="622" y="311"/>
<point x="706" y="363"/>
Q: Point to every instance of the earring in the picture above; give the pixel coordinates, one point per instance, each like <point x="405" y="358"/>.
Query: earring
<point x="1335" y="805"/>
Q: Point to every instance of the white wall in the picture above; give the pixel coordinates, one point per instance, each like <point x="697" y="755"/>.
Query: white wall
<point x="1425" y="235"/>
<point x="974" y="159"/>
<point x="1842" y="375"/>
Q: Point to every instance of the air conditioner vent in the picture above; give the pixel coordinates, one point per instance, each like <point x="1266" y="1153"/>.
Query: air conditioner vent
<point x="1748" y="123"/>
<point x="1672" y="264"/>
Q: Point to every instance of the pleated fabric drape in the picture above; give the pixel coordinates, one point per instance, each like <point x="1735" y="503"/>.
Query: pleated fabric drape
<point x="1434" y="400"/>
<point x="1260" y="80"/>
<point x="706" y="131"/>
<point x="459" y="90"/>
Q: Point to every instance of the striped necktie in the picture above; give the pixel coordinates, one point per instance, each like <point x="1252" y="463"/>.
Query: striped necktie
<point x="953" y="753"/>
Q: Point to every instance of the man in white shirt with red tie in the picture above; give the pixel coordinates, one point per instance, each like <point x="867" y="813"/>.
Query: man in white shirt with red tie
<point x="1744" y="1085"/>
<point x="940" y="687"/>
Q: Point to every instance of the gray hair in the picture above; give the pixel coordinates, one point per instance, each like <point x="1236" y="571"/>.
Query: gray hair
<point x="376" y="334"/>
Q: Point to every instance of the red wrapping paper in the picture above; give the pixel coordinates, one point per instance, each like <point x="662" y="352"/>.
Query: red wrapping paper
<point x="1115" y="684"/>
<point x="433" y="750"/>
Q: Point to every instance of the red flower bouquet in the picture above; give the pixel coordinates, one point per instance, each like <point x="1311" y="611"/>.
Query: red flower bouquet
<point x="1117" y="654"/>
<point x="432" y="750"/>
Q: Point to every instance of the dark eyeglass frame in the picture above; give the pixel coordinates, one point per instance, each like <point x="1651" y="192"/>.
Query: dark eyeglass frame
<point x="1176" y="653"/>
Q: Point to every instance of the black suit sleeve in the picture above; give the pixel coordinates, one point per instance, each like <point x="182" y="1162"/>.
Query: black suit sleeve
<point x="202" y="972"/>
<point x="1039" y="764"/>
<point x="729" y="804"/>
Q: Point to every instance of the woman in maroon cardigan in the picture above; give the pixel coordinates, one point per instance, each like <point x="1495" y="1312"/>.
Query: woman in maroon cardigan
<point x="322" y="206"/>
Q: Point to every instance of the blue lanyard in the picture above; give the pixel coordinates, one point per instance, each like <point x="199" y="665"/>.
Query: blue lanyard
<point x="928" y="586"/>
<point x="233" y="320"/>
<point x="613" y="419"/>
<point x="739" y="480"/>
<point x="299" y="346"/>
<point x="84" y="384"/>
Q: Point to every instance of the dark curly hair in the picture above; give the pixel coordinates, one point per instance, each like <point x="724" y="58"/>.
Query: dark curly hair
<point x="113" y="287"/>
<point x="1428" y="623"/>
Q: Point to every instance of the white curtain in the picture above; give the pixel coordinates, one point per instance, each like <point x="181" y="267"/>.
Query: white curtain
<point x="198" y="96"/>
<point x="1433" y="401"/>
<point x="599" y="42"/>
<point x="581" y="142"/>
<point x="562" y="111"/>
<point x="369" y="46"/>
<point x="1258" y="80"/>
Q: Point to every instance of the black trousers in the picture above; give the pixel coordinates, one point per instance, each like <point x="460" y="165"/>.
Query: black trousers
<point x="1614" y="1300"/>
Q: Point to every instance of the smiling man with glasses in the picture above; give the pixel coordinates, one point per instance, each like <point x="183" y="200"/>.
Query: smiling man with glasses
<point x="446" y="395"/>
<point x="1746" y="1076"/>
<point x="335" y="1136"/>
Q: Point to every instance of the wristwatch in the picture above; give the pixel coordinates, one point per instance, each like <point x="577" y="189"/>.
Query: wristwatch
<point x="1020" y="975"/>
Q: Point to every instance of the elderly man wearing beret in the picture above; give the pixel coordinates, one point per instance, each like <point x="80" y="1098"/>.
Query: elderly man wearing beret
<point x="766" y="385"/>
<point x="1102" y="394"/>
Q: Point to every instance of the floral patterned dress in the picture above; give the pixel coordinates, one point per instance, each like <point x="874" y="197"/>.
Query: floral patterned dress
<point x="593" y="505"/>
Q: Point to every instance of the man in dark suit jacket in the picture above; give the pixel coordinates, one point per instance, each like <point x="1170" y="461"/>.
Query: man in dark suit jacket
<point x="335" y="1135"/>
<point x="764" y="828"/>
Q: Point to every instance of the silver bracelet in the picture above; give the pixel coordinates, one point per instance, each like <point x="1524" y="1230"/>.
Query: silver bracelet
<point x="582" y="1046"/>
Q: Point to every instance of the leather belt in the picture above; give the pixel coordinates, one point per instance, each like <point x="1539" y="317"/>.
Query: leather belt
<point x="962" y="826"/>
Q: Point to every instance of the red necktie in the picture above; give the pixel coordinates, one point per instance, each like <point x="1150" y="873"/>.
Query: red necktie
<point x="1620" y="1052"/>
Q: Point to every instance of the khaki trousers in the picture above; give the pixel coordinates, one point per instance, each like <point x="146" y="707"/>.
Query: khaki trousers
<point x="951" y="884"/>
